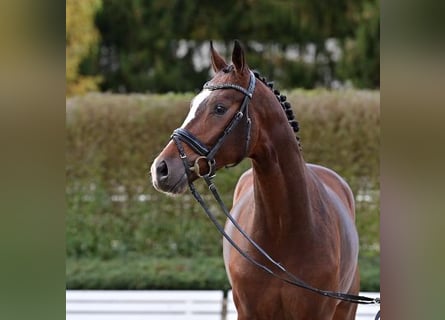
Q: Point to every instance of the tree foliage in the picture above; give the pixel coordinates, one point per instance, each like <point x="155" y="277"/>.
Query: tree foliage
<point x="81" y="41"/>
<point x="160" y="45"/>
<point x="359" y="63"/>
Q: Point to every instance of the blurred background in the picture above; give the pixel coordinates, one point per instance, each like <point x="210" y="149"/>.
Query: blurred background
<point x="162" y="45"/>
<point x="132" y="68"/>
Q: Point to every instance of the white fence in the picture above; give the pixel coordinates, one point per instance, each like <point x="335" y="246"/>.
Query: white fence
<point x="164" y="305"/>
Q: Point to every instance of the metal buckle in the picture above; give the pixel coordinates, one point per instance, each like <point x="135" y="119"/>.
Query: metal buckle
<point x="197" y="169"/>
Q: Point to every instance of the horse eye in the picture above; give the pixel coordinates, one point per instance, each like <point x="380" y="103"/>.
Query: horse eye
<point x="220" y="109"/>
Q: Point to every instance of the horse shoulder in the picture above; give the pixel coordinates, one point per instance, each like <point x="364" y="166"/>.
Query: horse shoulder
<point x="242" y="200"/>
<point x="244" y="182"/>
<point x="337" y="187"/>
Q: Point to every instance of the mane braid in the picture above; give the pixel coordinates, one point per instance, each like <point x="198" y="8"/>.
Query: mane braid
<point x="287" y="108"/>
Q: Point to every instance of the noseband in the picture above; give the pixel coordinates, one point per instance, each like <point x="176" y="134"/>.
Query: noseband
<point x="208" y="154"/>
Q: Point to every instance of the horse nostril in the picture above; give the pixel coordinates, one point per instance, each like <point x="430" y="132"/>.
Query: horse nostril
<point x="162" y="170"/>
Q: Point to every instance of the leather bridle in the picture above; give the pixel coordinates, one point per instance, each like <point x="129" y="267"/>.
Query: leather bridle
<point x="208" y="154"/>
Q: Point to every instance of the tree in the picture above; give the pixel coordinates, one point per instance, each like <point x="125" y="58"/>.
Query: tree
<point x="153" y="45"/>
<point x="361" y="55"/>
<point x="82" y="39"/>
<point x="140" y="46"/>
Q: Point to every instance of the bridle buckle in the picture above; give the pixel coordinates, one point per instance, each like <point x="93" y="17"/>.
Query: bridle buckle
<point x="197" y="168"/>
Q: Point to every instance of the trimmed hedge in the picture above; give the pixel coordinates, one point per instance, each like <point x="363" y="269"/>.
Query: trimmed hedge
<point x="114" y="213"/>
<point x="203" y="273"/>
<point x="147" y="273"/>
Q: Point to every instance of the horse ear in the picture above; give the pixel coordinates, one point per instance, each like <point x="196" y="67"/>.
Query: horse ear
<point x="218" y="62"/>
<point x="238" y="57"/>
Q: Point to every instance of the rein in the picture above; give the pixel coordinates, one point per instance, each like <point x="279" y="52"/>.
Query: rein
<point x="181" y="135"/>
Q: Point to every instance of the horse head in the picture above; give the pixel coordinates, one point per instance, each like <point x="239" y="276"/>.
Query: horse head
<point x="222" y="126"/>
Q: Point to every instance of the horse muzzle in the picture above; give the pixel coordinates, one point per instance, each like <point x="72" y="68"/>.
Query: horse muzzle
<point x="168" y="175"/>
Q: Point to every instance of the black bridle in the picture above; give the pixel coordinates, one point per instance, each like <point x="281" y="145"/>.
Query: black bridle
<point x="208" y="154"/>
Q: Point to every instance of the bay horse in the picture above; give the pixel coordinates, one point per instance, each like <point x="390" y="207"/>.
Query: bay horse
<point x="302" y="215"/>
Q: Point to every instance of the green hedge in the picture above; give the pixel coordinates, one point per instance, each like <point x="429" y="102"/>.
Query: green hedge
<point x="147" y="273"/>
<point x="114" y="213"/>
<point x="200" y="273"/>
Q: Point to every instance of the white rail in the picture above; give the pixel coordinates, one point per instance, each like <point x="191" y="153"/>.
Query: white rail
<point x="163" y="305"/>
<point x="147" y="305"/>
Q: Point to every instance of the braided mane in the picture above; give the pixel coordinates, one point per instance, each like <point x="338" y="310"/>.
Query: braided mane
<point x="287" y="108"/>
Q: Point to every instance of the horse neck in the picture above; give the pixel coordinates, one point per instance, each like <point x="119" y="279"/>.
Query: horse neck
<point x="282" y="205"/>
